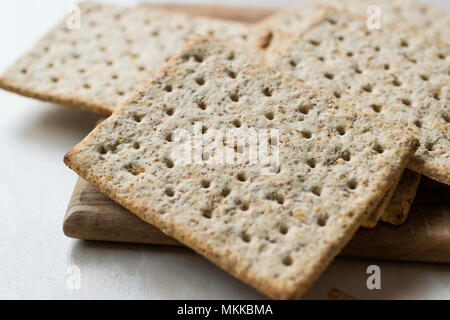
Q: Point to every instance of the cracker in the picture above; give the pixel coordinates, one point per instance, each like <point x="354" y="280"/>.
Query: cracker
<point x="397" y="210"/>
<point x="406" y="14"/>
<point x="374" y="217"/>
<point x="274" y="227"/>
<point x="400" y="77"/>
<point x="116" y="48"/>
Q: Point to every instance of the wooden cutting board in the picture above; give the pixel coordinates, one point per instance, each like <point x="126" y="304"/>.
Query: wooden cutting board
<point x="424" y="237"/>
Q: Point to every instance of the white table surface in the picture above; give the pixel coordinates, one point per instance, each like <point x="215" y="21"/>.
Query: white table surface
<point x="36" y="259"/>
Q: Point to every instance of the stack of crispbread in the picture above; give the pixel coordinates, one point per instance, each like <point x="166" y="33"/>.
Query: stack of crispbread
<point x="342" y="111"/>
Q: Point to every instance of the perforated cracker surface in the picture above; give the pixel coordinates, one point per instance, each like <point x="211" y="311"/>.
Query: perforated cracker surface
<point x="411" y="15"/>
<point x="96" y="65"/>
<point x="275" y="230"/>
<point x="398" y="76"/>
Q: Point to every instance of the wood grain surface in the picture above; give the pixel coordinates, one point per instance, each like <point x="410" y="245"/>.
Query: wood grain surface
<point x="425" y="236"/>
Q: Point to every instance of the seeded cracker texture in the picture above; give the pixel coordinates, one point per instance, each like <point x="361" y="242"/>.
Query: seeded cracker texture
<point x="401" y="77"/>
<point x="116" y="48"/>
<point x="276" y="232"/>
<point x="410" y="15"/>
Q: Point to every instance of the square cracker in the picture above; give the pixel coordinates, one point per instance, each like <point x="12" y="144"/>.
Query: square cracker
<point x="115" y="49"/>
<point x="400" y="77"/>
<point x="409" y="15"/>
<point x="277" y="230"/>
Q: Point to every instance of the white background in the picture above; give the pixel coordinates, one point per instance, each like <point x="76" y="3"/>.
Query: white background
<point x="35" y="188"/>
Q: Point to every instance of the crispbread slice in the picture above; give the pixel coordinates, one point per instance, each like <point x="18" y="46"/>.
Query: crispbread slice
<point x="115" y="49"/>
<point x="400" y="204"/>
<point x="410" y="15"/>
<point x="275" y="230"/>
<point x="372" y="220"/>
<point x="399" y="76"/>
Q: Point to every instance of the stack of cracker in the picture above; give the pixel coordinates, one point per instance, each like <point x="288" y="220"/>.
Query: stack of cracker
<point x="339" y="111"/>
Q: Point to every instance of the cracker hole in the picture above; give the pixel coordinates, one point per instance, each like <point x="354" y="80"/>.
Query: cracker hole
<point x="446" y="117"/>
<point x="198" y="58"/>
<point x="357" y="69"/>
<point x="314" y="42"/>
<point x="376" y="108"/>
<point x="136" y="145"/>
<point x="306" y="134"/>
<point x="337" y="94"/>
<point x="245" y="237"/>
<point x="201" y="105"/>
<point x="322" y="220"/>
<point x="418" y="123"/>
<point x="320" y="58"/>
<point x="283" y="228"/>
<point x="349" y="54"/>
<point x="234" y="97"/>
<point x="205" y="156"/>
<point x="396" y="83"/>
<point x="316" y="190"/>
<point x="367" y="88"/>
<point x="169" y="192"/>
<point x="245" y="207"/>
<point x="24" y="71"/>
<point x="54" y="79"/>
<point x="114" y="76"/>
<point x="436" y="95"/>
<point x="287" y="261"/>
<point x="269" y="115"/>
<point x="386" y="66"/>
<point x="231" y="74"/>
<point x="404" y="43"/>
<point x="441" y="56"/>
<point x="207" y="213"/>
<point x="378" y="148"/>
<point x="267" y="92"/>
<point x="120" y="93"/>
<point x="225" y="192"/>
<point x="311" y="163"/>
<point x="267" y="39"/>
<point x="86" y="86"/>
<point x="303" y="109"/>
<point x="102" y="150"/>
<point x="340" y="38"/>
<point x="169" y="163"/>
<point x="241" y="177"/>
<point x="141" y="68"/>
<point x="168" y="137"/>
<point x="424" y="77"/>
<point x="429" y="146"/>
<point x="200" y="81"/>
<point x="137" y="117"/>
<point x="170" y="111"/>
<point x="230" y="56"/>
<point x="340" y="130"/>
<point x="346" y="155"/>
<point x="237" y="123"/>
<point x="168" y="88"/>
<point x="205" y="183"/>
<point x="352" y="184"/>
<point x="292" y="63"/>
<point x="329" y="76"/>
<point x="406" y="102"/>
